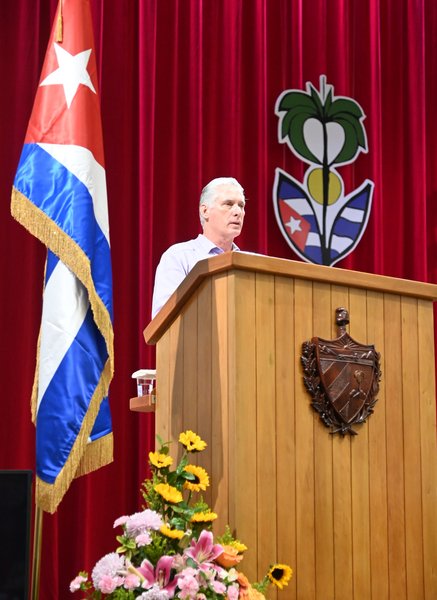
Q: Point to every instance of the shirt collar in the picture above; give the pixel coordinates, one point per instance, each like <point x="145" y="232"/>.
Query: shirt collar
<point x="210" y="247"/>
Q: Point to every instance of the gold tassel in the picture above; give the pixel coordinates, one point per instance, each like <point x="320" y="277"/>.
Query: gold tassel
<point x="59" y="31"/>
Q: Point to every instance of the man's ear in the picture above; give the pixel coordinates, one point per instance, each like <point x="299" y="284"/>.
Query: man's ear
<point x="204" y="211"/>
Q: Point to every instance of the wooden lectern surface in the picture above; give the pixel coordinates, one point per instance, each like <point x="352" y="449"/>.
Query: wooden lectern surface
<point x="356" y="516"/>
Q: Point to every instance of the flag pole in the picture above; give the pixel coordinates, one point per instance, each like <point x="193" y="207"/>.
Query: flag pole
<point x="36" y="557"/>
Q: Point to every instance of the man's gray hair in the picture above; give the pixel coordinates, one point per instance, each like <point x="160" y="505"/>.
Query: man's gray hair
<point x="208" y="194"/>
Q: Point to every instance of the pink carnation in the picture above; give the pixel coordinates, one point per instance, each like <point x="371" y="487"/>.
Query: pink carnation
<point x="108" y="584"/>
<point x="111" y="565"/>
<point x="131" y="581"/>
<point x="76" y="583"/>
<point x="218" y="587"/>
<point x="143" y="539"/>
<point x="188" y="586"/>
<point x="233" y="592"/>
<point x="142" y="522"/>
<point x="120" y="521"/>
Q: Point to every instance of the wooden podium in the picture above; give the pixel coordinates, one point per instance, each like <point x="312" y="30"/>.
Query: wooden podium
<point x="355" y="516"/>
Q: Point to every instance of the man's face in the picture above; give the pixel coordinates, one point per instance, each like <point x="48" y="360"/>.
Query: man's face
<point x="224" y="218"/>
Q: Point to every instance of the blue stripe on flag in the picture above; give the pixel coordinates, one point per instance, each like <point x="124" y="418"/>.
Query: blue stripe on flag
<point x="73" y="385"/>
<point x="73" y="211"/>
<point x="103" y="423"/>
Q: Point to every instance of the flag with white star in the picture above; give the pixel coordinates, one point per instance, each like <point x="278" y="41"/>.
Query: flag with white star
<point x="59" y="195"/>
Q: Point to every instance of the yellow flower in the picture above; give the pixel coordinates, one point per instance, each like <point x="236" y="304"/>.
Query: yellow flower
<point x="203" y="517"/>
<point x="169" y="493"/>
<point x="280" y="575"/>
<point x="174" y="534"/>
<point x="191" y="441"/>
<point x="239" y="546"/>
<point x="159" y="460"/>
<point x="201" y="479"/>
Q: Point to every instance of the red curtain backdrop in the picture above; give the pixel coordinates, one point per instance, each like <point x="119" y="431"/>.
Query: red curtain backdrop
<point x="188" y="90"/>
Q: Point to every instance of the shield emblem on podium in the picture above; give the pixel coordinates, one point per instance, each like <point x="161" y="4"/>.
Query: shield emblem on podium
<point x="342" y="377"/>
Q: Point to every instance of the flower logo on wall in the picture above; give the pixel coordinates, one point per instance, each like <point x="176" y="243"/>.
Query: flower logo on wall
<point x="318" y="221"/>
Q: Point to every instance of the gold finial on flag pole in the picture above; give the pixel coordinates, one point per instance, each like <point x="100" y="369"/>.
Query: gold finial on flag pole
<point x="59" y="32"/>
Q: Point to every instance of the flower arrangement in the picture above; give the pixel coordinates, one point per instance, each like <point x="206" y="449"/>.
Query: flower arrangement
<point x="168" y="549"/>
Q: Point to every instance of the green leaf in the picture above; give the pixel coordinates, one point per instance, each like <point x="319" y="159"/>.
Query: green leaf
<point x="328" y="102"/>
<point x="177" y="523"/>
<point x="298" y="100"/>
<point x="345" y="105"/>
<point x="317" y="102"/>
<point x="181" y="508"/>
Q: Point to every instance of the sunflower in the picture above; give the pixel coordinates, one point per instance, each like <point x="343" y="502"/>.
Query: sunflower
<point x="280" y="575"/>
<point x="174" y="534"/>
<point x="159" y="460"/>
<point x="201" y="479"/>
<point x="191" y="441"/>
<point x="203" y="517"/>
<point x="169" y="493"/>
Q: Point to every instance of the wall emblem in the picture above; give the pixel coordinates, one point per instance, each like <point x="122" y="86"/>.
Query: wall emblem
<point x="342" y="377"/>
<point x="319" y="221"/>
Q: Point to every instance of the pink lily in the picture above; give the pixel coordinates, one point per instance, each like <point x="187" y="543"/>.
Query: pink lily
<point x="160" y="575"/>
<point x="204" y="550"/>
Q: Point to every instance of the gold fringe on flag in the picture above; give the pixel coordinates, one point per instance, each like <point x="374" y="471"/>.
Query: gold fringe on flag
<point x="70" y="253"/>
<point x="85" y="456"/>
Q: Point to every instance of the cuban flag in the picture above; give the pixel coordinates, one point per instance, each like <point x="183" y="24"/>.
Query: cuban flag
<point x="59" y="195"/>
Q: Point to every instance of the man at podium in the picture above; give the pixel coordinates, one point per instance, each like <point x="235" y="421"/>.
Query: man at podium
<point x="221" y="211"/>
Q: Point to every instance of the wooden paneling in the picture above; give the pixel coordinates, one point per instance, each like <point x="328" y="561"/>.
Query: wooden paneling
<point x="354" y="516"/>
<point x="378" y="509"/>
<point x="202" y="395"/>
<point x="305" y="567"/>
<point x="266" y="448"/>
<point x="360" y="469"/>
<point x="219" y="382"/>
<point x="323" y="461"/>
<point x="411" y="458"/>
<point x="242" y="366"/>
<point x="342" y="488"/>
<point x="394" y="401"/>
<point x="286" y="368"/>
<point x="426" y="399"/>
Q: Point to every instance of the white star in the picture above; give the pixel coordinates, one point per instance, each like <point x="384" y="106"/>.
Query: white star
<point x="294" y="225"/>
<point x="71" y="72"/>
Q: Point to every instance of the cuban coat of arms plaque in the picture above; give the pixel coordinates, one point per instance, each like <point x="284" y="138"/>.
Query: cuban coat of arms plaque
<point x="342" y="376"/>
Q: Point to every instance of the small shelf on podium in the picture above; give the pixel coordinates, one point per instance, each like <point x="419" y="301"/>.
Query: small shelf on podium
<point x="144" y="404"/>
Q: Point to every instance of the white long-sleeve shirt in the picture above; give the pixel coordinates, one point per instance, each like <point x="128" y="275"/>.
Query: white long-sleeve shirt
<point x="175" y="264"/>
